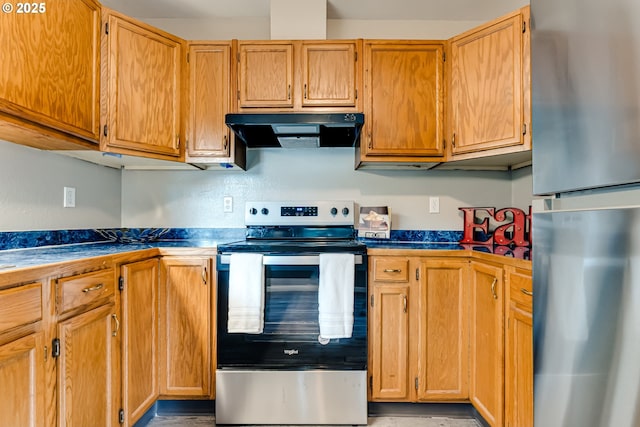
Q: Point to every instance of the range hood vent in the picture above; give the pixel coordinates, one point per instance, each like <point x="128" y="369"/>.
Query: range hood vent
<point x="297" y="130"/>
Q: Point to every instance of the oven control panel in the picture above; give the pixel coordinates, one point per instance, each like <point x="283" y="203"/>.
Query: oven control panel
<point x="327" y="212"/>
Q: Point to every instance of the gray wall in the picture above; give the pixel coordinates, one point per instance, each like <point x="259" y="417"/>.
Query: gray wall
<point x="194" y="198"/>
<point x="31" y="191"/>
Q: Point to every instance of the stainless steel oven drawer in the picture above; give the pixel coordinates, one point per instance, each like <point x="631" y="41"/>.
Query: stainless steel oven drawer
<point x="291" y="397"/>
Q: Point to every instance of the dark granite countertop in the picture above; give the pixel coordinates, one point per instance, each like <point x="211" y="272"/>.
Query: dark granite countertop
<point x="24" y="258"/>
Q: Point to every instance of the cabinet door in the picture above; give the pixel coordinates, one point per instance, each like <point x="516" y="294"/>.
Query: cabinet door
<point x="487" y="345"/>
<point x="209" y="99"/>
<point x="88" y="386"/>
<point x="22" y="382"/>
<point x="142" y="90"/>
<point x="186" y="316"/>
<point x="403" y="100"/>
<point x="265" y="75"/>
<point x="329" y="74"/>
<point x="50" y="68"/>
<point x="139" y="301"/>
<point x="389" y="343"/>
<point x="488" y="86"/>
<point x="443" y="330"/>
<point x="519" y="349"/>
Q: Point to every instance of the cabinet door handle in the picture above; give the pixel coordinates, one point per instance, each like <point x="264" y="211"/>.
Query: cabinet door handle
<point x="289" y="92"/>
<point x="305" y="91"/>
<point x="404" y="303"/>
<point x="93" y="288"/>
<point x="115" y="319"/>
<point x="526" y="292"/>
<point x="493" y="288"/>
<point x="204" y="276"/>
<point x="224" y="144"/>
<point x="392" y="270"/>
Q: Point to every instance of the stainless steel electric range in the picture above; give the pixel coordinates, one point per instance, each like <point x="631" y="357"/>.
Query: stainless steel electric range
<point x="287" y="372"/>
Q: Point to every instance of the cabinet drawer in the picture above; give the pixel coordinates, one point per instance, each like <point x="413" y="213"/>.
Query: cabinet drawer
<point x="20" y="306"/>
<point x="84" y="289"/>
<point x="391" y="269"/>
<point x="520" y="289"/>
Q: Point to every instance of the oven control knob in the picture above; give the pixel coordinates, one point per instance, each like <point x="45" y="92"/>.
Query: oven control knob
<point x="334" y="211"/>
<point x="265" y="211"/>
<point x="253" y="211"/>
<point x="345" y="211"/>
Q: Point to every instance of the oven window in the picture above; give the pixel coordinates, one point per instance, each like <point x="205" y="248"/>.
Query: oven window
<point x="291" y="303"/>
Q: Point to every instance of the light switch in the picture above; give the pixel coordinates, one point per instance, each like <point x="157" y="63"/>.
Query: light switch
<point x="434" y="204"/>
<point x="69" y="200"/>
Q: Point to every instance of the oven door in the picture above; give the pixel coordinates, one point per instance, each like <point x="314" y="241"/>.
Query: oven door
<point x="290" y="339"/>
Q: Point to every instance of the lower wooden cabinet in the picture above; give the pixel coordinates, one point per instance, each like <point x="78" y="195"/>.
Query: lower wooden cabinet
<point x="186" y="327"/>
<point x="443" y="335"/>
<point x="487" y="341"/>
<point x="389" y="324"/>
<point x="88" y="379"/>
<point x="139" y="302"/>
<point x="22" y="381"/>
<point x="418" y="329"/>
<point x="519" y="348"/>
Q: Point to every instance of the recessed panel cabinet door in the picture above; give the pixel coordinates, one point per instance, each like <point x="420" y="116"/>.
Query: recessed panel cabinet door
<point x="265" y="75"/>
<point x="143" y="74"/>
<point x="404" y="99"/>
<point x="22" y="382"/>
<point x="443" y="336"/>
<point x="389" y="336"/>
<point x="489" y="87"/>
<point x="209" y="100"/>
<point x="140" y="334"/>
<point x="487" y="342"/>
<point x="329" y="75"/>
<point x="186" y="352"/>
<point x="50" y="67"/>
<point x="87" y="382"/>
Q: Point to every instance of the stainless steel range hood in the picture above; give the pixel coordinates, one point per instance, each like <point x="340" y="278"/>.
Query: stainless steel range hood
<point x="293" y="130"/>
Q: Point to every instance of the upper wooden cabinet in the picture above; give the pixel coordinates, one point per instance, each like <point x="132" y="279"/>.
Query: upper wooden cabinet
<point x="209" y="82"/>
<point x="489" y="99"/>
<point x="298" y="75"/>
<point x="141" y="89"/>
<point x="49" y="75"/>
<point x="403" y="102"/>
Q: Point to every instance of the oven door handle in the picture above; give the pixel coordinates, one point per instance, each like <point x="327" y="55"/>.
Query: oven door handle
<point x="288" y="259"/>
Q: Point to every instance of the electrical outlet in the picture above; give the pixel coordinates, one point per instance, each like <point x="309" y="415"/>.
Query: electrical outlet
<point x="69" y="200"/>
<point x="227" y="204"/>
<point x="434" y="204"/>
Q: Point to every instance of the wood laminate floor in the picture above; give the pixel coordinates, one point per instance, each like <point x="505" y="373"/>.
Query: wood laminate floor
<point x="201" y="421"/>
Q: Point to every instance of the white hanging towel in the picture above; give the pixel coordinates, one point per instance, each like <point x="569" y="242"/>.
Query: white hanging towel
<point x="246" y="294"/>
<point x="335" y="295"/>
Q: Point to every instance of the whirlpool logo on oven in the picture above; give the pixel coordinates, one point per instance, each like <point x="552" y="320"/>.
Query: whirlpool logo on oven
<point x="292" y="352"/>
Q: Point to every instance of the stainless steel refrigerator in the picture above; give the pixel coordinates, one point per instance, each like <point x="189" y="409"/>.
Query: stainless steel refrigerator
<point x="586" y="225"/>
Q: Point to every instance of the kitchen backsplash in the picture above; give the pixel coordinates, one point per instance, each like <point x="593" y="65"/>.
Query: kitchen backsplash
<point x="34" y="239"/>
